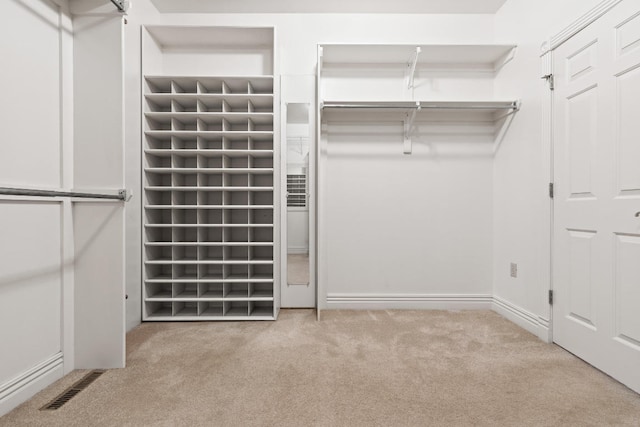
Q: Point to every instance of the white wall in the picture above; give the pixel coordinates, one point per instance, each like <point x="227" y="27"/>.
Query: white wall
<point x="521" y="170"/>
<point x="297" y="36"/>
<point x="36" y="287"/>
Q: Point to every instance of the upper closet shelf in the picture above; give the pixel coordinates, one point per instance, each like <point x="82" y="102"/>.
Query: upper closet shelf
<point x="481" y="56"/>
<point x="488" y="106"/>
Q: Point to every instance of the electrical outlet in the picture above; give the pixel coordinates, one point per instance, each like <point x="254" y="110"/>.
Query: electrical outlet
<point x="514" y="269"/>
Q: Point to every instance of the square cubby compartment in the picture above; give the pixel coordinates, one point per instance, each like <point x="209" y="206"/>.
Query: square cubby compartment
<point x="210" y="162"/>
<point x="235" y="126"/>
<point x="211" y="253"/>
<point x="236" y="253"/>
<point x="185" y="253"/>
<point x="210" y="216"/>
<point x="240" y="162"/>
<point x="261" y="308"/>
<point x="237" y="272"/>
<point x="158" y="197"/>
<point x="261" y="253"/>
<point x="185" y="161"/>
<point x="261" y="216"/>
<point x="158" y="253"/>
<point x="185" y="309"/>
<point x="185" y="290"/>
<point x="185" y="271"/>
<point x="208" y="85"/>
<point x="236" y="308"/>
<point x="210" y="234"/>
<point x="185" y="198"/>
<point x="157" y="107"/>
<point x="236" y="144"/>
<point x="158" y="144"/>
<point x="155" y="179"/>
<point x="210" y="308"/>
<point x="185" y="180"/>
<point x="211" y="272"/>
<point x="210" y="124"/>
<point x="236" y="106"/>
<point x="262" y="162"/>
<point x="236" y="180"/>
<point x="261" y="180"/>
<point x="159" y="271"/>
<point x="211" y="290"/>
<point x="154" y="161"/>
<point x="210" y="179"/>
<point x="261" y="144"/>
<point x="184" y="124"/>
<point x="156" y="309"/>
<point x="261" y="271"/>
<point x="158" y="234"/>
<point x="210" y="105"/>
<point x="235" y="85"/>
<point x="184" y="143"/>
<point x="261" y="290"/>
<point x="236" y="234"/>
<point x="236" y="198"/>
<point x="210" y="143"/>
<point x="236" y="216"/>
<point x="236" y="290"/>
<point x="158" y="290"/>
<point x="261" y="198"/>
<point x="185" y="234"/>
<point x="158" y="216"/>
<point x="185" y="216"/>
<point x="183" y="86"/>
<point x="155" y="124"/>
<point x="184" y="106"/>
<point x="210" y="198"/>
<point x="260" y="234"/>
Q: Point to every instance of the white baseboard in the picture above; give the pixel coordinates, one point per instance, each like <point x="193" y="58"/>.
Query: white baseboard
<point x="523" y="318"/>
<point x="25" y="386"/>
<point x="409" y="301"/>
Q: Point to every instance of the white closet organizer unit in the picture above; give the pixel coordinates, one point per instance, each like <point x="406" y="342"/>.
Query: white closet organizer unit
<point x="411" y="83"/>
<point x="436" y="101"/>
<point x="209" y="173"/>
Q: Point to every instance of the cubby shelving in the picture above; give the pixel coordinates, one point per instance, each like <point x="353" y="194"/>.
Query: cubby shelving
<point x="209" y="198"/>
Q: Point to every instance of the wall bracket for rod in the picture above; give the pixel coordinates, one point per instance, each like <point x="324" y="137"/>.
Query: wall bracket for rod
<point x="408" y="127"/>
<point x="412" y="67"/>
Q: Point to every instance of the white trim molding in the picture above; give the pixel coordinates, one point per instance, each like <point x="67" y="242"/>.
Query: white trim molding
<point x="409" y="301"/>
<point x="23" y="387"/>
<point x="581" y="23"/>
<point x="533" y="323"/>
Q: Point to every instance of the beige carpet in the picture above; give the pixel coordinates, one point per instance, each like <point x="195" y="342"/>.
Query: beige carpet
<point x="366" y="368"/>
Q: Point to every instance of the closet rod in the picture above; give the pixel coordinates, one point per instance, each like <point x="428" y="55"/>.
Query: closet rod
<point x="418" y="106"/>
<point x="120" y="5"/>
<point x="122" y="194"/>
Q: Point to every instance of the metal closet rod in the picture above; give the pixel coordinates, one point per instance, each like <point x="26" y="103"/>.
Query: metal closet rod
<point x="122" y="194"/>
<point x="119" y="4"/>
<point x="513" y="106"/>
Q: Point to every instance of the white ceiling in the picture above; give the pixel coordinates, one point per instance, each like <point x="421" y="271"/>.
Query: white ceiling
<point x="328" y="6"/>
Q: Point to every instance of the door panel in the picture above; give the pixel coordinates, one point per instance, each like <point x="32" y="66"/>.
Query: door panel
<point x="596" y="273"/>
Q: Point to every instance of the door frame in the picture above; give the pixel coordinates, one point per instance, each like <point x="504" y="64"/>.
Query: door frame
<point x="547" y="69"/>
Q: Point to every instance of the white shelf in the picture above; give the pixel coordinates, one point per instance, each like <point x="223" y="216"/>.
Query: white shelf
<point x="479" y="56"/>
<point x="209" y="208"/>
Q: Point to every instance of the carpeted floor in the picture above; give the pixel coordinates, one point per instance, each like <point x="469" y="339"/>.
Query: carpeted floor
<point x="353" y="368"/>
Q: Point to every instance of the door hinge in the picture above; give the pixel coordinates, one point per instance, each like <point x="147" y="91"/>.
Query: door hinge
<point x="550" y="296"/>
<point x="549" y="78"/>
<point x="551" y="190"/>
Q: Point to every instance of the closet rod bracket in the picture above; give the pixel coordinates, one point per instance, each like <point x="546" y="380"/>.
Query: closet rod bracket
<point x="412" y="67"/>
<point x="408" y="127"/>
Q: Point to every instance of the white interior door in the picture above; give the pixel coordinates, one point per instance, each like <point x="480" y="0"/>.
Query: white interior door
<point x="596" y="273"/>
